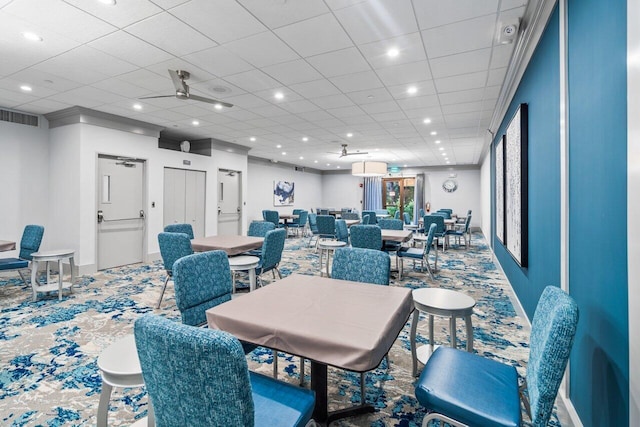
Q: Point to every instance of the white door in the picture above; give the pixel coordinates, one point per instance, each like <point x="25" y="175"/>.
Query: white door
<point x="121" y="218"/>
<point x="184" y="198"/>
<point x="229" y="202"/>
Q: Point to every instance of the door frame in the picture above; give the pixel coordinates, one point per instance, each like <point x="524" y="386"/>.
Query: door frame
<point x="243" y="205"/>
<point x="145" y="198"/>
<point x="400" y="180"/>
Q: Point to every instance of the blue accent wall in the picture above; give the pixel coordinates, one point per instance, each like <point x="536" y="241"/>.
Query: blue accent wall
<point x="597" y="199"/>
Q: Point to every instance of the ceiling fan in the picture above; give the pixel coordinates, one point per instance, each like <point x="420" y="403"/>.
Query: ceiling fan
<point x="344" y="152"/>
<point x="182" y="89"/>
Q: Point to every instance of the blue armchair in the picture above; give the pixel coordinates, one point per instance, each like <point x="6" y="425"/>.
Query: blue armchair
<point x="464" y="388"/>
<point x="366" y="236"/>
<point x="207" y="370"/>
<point x="30" y="243"/>
<point x="420" y="254"/>
<point x="173" y="246"/>
<point x="180" y="228"/>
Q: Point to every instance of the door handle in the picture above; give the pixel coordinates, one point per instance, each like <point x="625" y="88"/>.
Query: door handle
<point x="141" y="213"/>
<point x="219" y="210"/>
<point x="100" y="217"/>
<point x="238" y="209"/>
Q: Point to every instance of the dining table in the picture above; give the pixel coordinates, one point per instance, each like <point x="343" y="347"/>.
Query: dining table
<point x="396" y="235"/>
<point x="6" y="245"/>
<point x="331" y="322"/>
<point x="351" y="222"/>
<point x="231" y="244"/>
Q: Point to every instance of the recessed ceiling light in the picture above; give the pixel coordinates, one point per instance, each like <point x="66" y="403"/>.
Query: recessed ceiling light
<point x="195" y="123"/>
<point x="448" y="162"/>
<point x="279" y="146"/>
<point x="108" y="2"/>
<point x="26" y="88"/>
<point x="393" y="52"/>
<point x="405" y="166"/>
<point x="305" y="139"/>
<point x="137" y="107"/>
<point x="315" y="161"/>
<point x="433" y="133"/>
<point x="426" y="121"/>
<point x="411" y="90"/>
<point x="377" y="149"/>
<point x="278" y="95"/>
<point x="217" y="106"/>
<point x="441" y="148"/>
<point x="444" y="154"/>
<point x="252" y="139"/>
<point x="369" y="96"/>
<point x="301" y="158"/>
<point x="284" y="153"/>
<point x="328" y="164"/>
<point x="337" y="167"/>
<point x="31" y="36"/>
<point x="349" y="135"/>
<point x="438" y="141"/>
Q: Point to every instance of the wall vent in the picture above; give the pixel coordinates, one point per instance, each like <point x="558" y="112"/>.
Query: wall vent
<point x="299" y="168"/>
<point x="20" y="118"/>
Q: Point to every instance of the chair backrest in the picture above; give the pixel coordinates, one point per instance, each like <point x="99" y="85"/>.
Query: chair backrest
<point x="430" y="235"/>
<point x="302" y="218"/>
<point x="420" y="213"/>
<point x="444" y="213"/>
<point x="202" y="281"/>
<point x="313" y="222"/>
<point x="30" y="241"/>
<point x="323" y="211"/>
<point x="361" y="265"/>
<point x="326" y="224"/>
<point x="260" y="228"/>
<point x="397" y="214"/>
<point x="296" y="212"/>
<point x="407" y="218"/>
<point x="173" y="246"/>
<point x="207" y="369"/>
<point x="467" y="222"/>
<point x="350" y="215"/>
<point x="390" y="224"/>
<point x="372" y="216"/>
<point x="552" y="331"/>
<point x="365" y="219"/>
<point x="271" y="216"/>
<point x="366" y="236"/>
<point x="438" y="220"/>
<point x="342" y="231"/>
<point x="272" y="249"/>
<point x="180" y="228"/>
<point x="450" y="211"/>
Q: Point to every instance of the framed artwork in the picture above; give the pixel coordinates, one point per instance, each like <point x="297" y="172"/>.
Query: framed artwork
<point x="500" y="201"/>
<point x="283" y="193"/>
<point x="516" y="186"/>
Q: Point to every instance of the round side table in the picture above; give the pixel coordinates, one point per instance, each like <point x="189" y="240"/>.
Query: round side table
<point x="328" y="246"/>
<point x="440" y="302"/>
<point x="119" y="367"/>
<point x="48" y="256"/>
<point x="244" y="263"/>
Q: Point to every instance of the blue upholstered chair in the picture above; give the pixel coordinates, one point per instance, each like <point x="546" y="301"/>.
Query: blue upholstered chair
<point x="349" y="215"/>
<point x="361" y="265"/>
<point x="173" y="246"/>
<point x="366" y="219"/>
<point x="260" y="228"/>
<point x="391" y="224"/>
<point x="271" y="253"/>
<point x="313" y="227"/>
<point x="272" y="216"/>
<point x="419" y="254"/>
<point x="438" y="220"/>
<point x="299" y="223"/>
<point x="397" y="214"/>
<point x="199" y="377"/>
<point x="421" y="213"/>
<point x="29" y="243"/>
<point x="373" y="219"/>
<point x="180" y="228"/>
<point x="461" y="232"/>
<point x="445" y="213"/>
<point x="326" y="226"/>
<point x="342" y="231"/>
<point x="366" y="236"/>
<point x="463" y="388"/>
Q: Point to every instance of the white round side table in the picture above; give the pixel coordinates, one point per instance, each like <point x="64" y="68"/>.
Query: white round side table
<point x="119" y="367"/>
<point x="439" y="302"/>
<point x="328" y="246"/>
<point x="47" y="256"/>
<point x="244" y="263"/>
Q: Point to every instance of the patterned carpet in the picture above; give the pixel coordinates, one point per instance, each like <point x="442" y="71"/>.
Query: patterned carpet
<point x="49" y="348"/>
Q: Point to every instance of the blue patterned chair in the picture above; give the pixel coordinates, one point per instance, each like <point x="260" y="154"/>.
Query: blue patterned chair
<point x="199" y="377"/>
<point x="342" y="231"/>
<point x="29" y="243"/>
<point x="273" y="217"/>
<point x="373" y="219"/>
<point x="419" y="254"/>
<point x="271" y="253"/>
<point x="259" y="229"/>
<point x="438" y="220"/>
<point x="313" y="227"/>
<point x="361" y="265"/>
<point x="299" y="223"/>
<point x="461" y="232"/>
<point x="326" y="226"/>
<point x="445" y="213"/>
<point x="350" y="215"/>
<point x="180" y="228"/>
<point x="366" y="236"/>
<point x="463" y="388"/>
<point x="391" y="224"/>
<point x="173" y="246"/>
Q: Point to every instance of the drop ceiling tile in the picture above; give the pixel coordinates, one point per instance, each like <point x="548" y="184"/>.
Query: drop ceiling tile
<point x="252" y="80"/>
<point x="370" y="96"/>
<point x="262" y="50"/>
<point x="496" y="76"/>
<point x="168" y="33"/>
<point x="466" y="107"/>
<point x="196" y="74"/>
<point x="38" y="90"/>
<point x="216" y="88"/>
<point x="278" y="14"/>
<point x="125" y="13"/>
<point x="461" y="63"/>
<point x="461" y="82"/>
<point x="315" y="89"/>
<point x="339" y="62"/>
<point x="364" y="80"/>
<point x="373" y="21"/>
<point x="341" y="4"/>
<point x="423" y="88"/>
<point x="78" y="25"/>
<point x="11" y="98"/>
<point x="510" y="4"/>
<point x="268" y="95"/>
<point x="288" y="73"/>
<point x="87" y="96"/>
<point x="43" y="106"/>
<point x="418" y="102"/>
<point x="349" y="111"/>
<point x="301" y="106"/>
<point x="501" y="55"/>
<point x="388" y="116"/>
<point x="380" y="107"/>
<point x="332" y="101"/>
<point x="316" y="116"/>
<point x="220" y="20"/>
<point x="435" y="13"/>
<point x="269" y="111"/>
<point x="409" y="46"/>
<point x="461" y="96"/>
<point x="247" y="101"/>
<point x="121" y="87"/>
<point x="405" y="73"/>
<point x="129" y="48"/>
<point x="315" y="35"/>
<point x="218" y="61"/>
<point x="460" y="37"/>
<point x="84" y="65"/>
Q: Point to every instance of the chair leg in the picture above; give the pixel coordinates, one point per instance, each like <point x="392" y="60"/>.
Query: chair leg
<point x="278" y="271"/>
<point x="162" y="293"/>
<point x="23" y="278"/>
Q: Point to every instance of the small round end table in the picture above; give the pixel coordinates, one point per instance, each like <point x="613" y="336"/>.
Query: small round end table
<point x="244" y="263"/>
<point x="328" y="246"/>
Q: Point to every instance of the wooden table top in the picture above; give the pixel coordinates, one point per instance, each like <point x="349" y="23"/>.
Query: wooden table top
<point x="231" y="244"/>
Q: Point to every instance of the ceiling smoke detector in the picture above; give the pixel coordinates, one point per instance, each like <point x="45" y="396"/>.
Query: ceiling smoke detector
<point x="508" y="32"/>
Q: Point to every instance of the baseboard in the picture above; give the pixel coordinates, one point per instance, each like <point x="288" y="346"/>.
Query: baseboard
<point x="152" y="257"/>
<point x="571" y="411"/>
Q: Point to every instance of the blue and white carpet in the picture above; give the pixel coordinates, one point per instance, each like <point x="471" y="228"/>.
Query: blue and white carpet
<point x="49" y="348"/>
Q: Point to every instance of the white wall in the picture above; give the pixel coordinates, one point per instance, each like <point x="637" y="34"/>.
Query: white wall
<point x="308" y="188"/>
<point x="24" y="170"/>
<point x="485" y="196"/>
<point x="342" y="190"/>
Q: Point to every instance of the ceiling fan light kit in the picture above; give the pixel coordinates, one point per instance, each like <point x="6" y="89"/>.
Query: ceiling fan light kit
<point x="368" y="169"/>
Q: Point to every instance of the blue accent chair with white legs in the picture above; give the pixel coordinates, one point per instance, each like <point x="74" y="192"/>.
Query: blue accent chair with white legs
<point x="199" y="377"/>
<point x="463" y="388"/>
<point x="30" y="243"/>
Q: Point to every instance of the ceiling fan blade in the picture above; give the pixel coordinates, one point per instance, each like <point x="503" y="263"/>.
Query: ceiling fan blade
<point x="209" y="100"/>
<point x="356" y="153"/>
<point x="178" y="82"/>
<point x="159" y="96"/>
